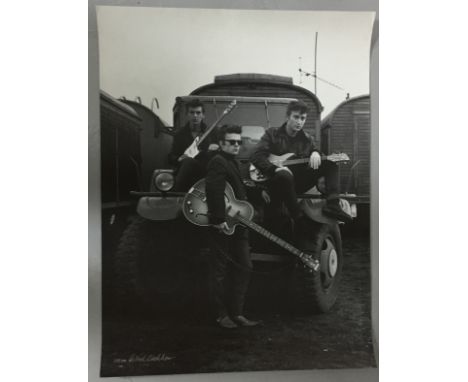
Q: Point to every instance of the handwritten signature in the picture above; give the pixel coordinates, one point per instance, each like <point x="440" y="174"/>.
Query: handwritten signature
<point x="161" y="357"/>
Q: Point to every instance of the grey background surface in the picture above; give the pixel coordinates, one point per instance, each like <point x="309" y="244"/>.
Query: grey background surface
<point x="94" y="224"/>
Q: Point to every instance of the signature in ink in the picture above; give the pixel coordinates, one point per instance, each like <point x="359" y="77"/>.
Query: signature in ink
<point x="143" y="357"/>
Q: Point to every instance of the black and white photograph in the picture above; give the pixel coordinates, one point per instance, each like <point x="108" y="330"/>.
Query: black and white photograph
<point x="235" y="190"/>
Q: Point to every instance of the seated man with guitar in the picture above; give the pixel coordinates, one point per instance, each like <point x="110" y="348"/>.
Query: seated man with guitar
<point x="230" y="253"/>
<point x="191" y="163"/>
<point x="285" y="182"/>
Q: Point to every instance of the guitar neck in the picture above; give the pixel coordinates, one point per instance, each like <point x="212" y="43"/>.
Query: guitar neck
<point x="208" y="131"/>
<point x="302" y="160"/>
<point x="262" y="231"/>
<point x="295" y="161"/>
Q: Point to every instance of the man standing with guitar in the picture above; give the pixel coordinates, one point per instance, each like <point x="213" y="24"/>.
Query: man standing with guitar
<point x="229" y="253"/>
<point x="285" y="182"/>
<point x="191" y="168"/>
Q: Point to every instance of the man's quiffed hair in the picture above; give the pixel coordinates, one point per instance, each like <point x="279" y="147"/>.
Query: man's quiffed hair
<point x="194" y="103"/>
<point x="228" y="129"/>
<point x="299" y="106"/>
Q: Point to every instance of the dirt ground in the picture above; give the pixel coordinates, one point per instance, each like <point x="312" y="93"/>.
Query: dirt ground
<point x="287" y="340"/>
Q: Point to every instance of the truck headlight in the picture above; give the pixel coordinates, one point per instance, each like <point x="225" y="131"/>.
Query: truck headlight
<point x="164" y="181"/>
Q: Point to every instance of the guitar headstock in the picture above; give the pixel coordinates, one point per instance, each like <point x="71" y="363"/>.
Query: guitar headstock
<point x="310" y="262"/>
<point x="338" y="157"/>
<point x="230" y="107"/>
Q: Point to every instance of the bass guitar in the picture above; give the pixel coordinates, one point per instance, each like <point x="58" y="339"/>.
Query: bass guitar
<point x="193" y="150"/>
<point x="238" y="212"/>
<point x="285" y="160"/>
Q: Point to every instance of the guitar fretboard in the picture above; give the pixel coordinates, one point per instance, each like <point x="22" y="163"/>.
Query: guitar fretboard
<point x="288" y="162"/>
<point x="262" y="231"/>
<point x="292" y="161"/>
<point x="208" y="131"/>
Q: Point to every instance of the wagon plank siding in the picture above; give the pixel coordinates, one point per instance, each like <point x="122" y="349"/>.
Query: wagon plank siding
<point x="155" y="143"/>
<point x="347" y="129"/>
<point x="120" y="150"/>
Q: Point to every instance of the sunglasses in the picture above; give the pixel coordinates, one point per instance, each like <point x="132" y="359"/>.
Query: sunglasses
<point x="233" y="141"/>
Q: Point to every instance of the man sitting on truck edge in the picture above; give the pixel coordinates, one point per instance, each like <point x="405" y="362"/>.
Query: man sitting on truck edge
<point x="189" y="170"/>
<point x="285" y="182"/>
<point x="230" y="254"/>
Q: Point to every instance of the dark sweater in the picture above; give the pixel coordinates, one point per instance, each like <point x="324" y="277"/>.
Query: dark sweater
<point x="222" y="168"/>
<point x="276" y="141"/>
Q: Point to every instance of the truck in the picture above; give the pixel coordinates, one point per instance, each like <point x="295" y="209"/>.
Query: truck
<point x="162" y="261"/>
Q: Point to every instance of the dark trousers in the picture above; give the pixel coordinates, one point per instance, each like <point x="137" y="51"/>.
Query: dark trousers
<point x="284" y="187"/>
<point x="230" y="271"/>
<point x="189" y="172"/>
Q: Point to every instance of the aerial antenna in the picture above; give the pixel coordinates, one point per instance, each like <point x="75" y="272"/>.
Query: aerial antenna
<point x="308" y="74"/>
<point x="314" y="74"/>
<point x="300" y="70"/>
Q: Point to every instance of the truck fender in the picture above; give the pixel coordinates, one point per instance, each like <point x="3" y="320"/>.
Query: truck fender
<point x="160" y="208"/>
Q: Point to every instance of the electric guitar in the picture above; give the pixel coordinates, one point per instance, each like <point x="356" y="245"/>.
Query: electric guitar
<point x="193" y="150"/>
<point x="238" y="212"/>
<point x="284" y="160"/>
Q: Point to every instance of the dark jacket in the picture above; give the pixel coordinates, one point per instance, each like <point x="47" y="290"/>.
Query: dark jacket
<point x="276" y="141"/>
<point x="183" y="139"/>
<point x="222" y="168"/>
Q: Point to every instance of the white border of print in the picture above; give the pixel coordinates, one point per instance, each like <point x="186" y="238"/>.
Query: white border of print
<point x="94" y="273"/>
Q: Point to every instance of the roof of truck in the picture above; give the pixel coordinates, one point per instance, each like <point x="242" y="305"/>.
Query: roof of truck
<point x="253" y="77"/>
<point x="237" y="98"/>
<point x="260" y="79"/>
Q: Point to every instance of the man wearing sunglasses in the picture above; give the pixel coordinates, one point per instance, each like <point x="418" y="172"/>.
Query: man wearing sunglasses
<point x="189" y="170"/>
<point x="230" y="254"/>
<point x="285" y="182"/>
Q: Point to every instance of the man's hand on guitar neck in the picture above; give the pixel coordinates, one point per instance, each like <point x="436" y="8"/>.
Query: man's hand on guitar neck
<point x="192" y="151"/>
<point x="315" y="160"/>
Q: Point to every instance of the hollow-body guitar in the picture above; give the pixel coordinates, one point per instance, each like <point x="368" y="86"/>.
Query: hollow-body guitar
<point x="238" y="212"/>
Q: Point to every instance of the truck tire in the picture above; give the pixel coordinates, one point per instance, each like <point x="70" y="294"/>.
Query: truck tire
<point x="318" y="291"/>
<point x="151" y="269"/>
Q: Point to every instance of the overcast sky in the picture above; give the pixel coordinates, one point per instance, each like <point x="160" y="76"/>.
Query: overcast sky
<point x="168" y="52"/>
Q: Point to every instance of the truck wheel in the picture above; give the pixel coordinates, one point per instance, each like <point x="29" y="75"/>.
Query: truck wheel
<point x="317" y="291"/>
<point x="150" y="268"/>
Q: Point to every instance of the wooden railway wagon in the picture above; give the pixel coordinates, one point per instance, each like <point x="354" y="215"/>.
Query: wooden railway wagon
<point x="155" y="142"/>
<point x="120" y="151"/>
<point x="267" y="86"/>
<point x="347" y="129"/>
<point x="120" y="174"/>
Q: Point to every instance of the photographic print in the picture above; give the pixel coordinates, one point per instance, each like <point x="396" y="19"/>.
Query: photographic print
<point x="235" y="188"/>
